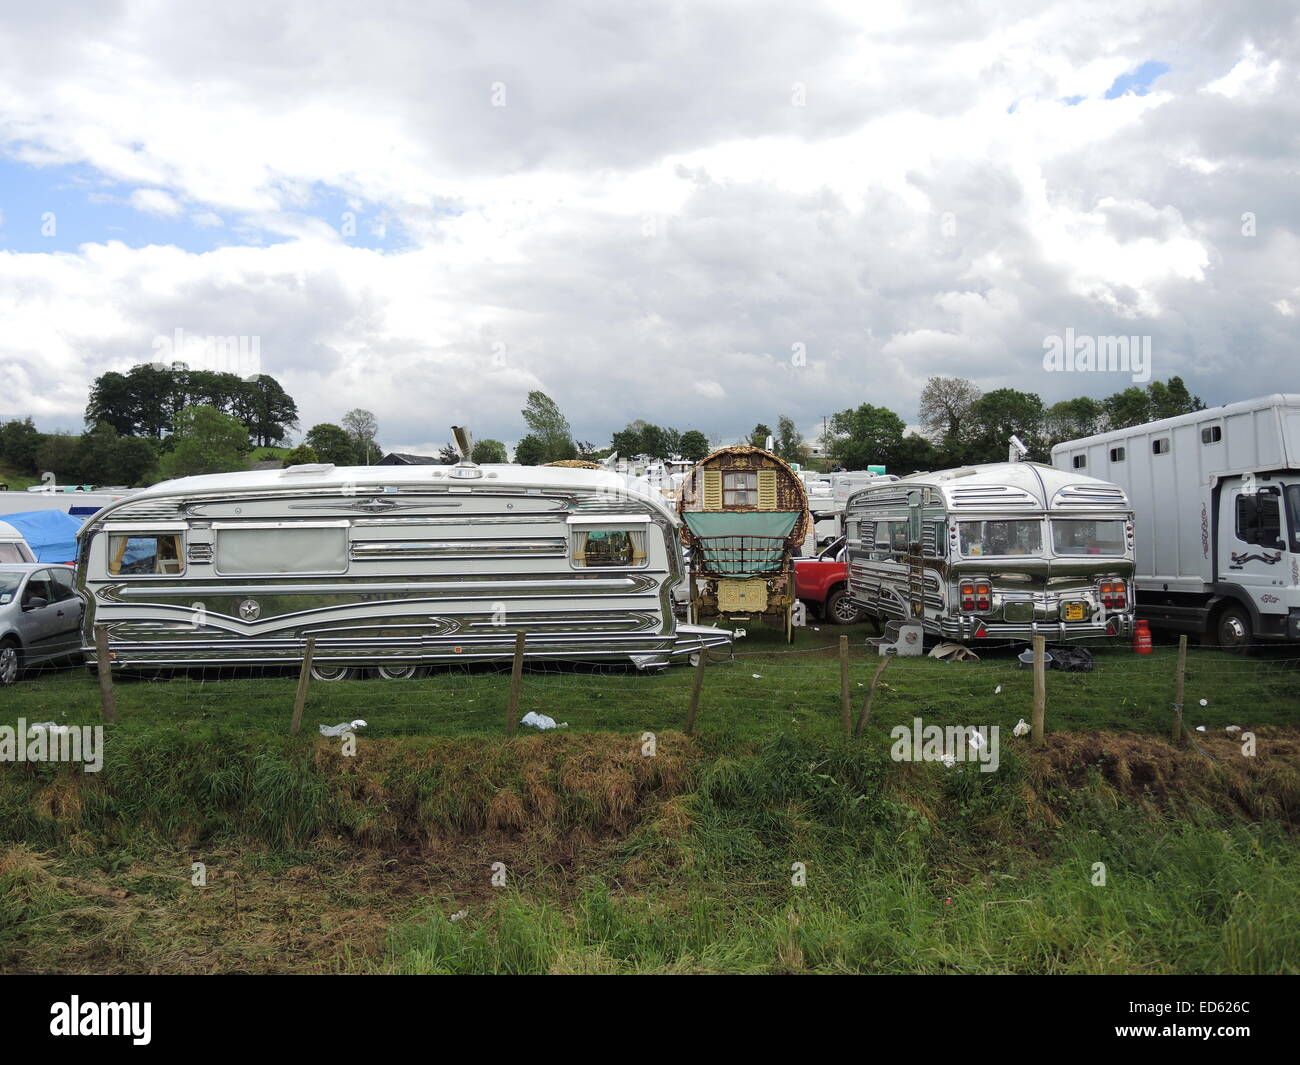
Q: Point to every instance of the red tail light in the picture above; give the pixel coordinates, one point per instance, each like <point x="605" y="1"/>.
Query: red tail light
<point x="1114" y="594"/>
<point x="975" y="596"/>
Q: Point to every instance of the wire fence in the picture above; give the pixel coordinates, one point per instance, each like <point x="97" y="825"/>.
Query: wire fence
<point x="738" y="691"/>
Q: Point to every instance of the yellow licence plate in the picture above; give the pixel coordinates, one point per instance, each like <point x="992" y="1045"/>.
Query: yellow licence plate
<point x="1073" y="611"/>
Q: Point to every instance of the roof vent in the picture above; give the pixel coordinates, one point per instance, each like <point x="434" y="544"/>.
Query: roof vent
<point x="308" y="467"/>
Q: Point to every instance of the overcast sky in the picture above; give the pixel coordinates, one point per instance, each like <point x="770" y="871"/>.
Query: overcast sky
<point x="700" y="214"/>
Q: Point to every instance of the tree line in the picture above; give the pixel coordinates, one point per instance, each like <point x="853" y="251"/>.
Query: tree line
<point x="167" y="422"/>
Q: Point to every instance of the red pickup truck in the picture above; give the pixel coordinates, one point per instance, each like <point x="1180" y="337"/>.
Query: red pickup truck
<point x="822" y="584"/>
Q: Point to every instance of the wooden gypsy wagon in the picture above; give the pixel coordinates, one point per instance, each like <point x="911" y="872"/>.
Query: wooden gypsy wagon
<point x="744" y="514"/>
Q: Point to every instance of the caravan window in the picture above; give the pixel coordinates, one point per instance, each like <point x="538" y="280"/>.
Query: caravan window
<point x="144" y="554"/>
<point x="608" y="547"/>
<point x="1000" y="538"/>
<point x="11" y="552"/>
<point x="1087" y="536"/>
<point x="261" y="550"/>
<point x="740" y="489"/>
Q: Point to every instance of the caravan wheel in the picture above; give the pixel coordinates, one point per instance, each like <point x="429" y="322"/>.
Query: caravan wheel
<point x="332" y="673"/>
<point x="399" y="672"/>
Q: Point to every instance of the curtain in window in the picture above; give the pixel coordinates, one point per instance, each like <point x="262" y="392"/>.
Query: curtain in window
<point x="579" y="548"/>
<point x="637" y="537"/>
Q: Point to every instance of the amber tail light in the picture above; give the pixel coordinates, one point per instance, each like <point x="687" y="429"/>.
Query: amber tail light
<point x="1114" y="594"/>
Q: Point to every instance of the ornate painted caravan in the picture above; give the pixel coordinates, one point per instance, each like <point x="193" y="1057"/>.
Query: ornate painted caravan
<point x="1007" y="550"/>
<point x="388" y="567"/>
<point x="745" y="513"/>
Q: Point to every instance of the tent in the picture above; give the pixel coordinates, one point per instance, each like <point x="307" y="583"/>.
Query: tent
<point x="52" y="534"/>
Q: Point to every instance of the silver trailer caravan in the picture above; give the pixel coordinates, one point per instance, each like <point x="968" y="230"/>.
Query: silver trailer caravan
<point x="1009" y="550"/>
<point x="388" y="567"/>
<point x="1217" y="497"/>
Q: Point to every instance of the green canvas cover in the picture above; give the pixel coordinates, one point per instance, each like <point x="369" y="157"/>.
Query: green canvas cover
<point x="725" y="552"/>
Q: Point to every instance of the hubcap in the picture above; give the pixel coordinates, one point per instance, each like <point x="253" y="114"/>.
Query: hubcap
<point x="397" y="672"/>
<point x="845" y="611"/>
<point x="329" y="672"/>
<point x="1233" y="629"/>
<point x="8" y="665"/>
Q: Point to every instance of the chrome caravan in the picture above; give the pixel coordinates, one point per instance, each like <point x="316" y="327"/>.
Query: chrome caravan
<point x="1003" y="551"/>
<point x="388" y="567"/>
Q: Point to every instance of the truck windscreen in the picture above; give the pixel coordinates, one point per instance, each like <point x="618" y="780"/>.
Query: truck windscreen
<point x="1293" y="516"/>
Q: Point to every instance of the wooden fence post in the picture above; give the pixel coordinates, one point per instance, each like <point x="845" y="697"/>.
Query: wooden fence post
<point x="104" y="668"/>
<point x="304" y="680"/>
<point x="516" y="678"/>
<point x="695" y="691"/>
<point x="1178" y="690"/>
<point x="864" y="717"/>
<point x="846" y="712"/>
<point x="1040" y="689"/>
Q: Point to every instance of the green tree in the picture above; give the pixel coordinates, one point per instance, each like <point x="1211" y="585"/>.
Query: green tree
<point x="694" y="445"/>
<point x="866" y="436"/>
<point x="1072" y="419"/>
<point x="18" y="443"/>
<point x="449" y="456"/>
<point x="488" y="451"/>
<point x="913" y="454"/>
<point x="363" y="427"/>
<point x="946" y="410"/>
<point x="658" y="443"/>
<point x="1172" y="399"/>
<point x="758" y="438"/>
<point x="332" y="443"/>
<point x="60" y="455"/>
<point x="112" y="402"/>
<point x="549" y="427"/>
<point x="530" y="452"/>
<point x="789" y="441"/>
<point x="301" y="455"/>
<point x="264" y="406"/>
<point x="105" y="457"/>
<point x="627" y="442"/>
<point x="206" y="441"/>
<point x="996" y="416"/>
<point x="1128" y="408"/>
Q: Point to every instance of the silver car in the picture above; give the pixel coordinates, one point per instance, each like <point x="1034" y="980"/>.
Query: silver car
<point x="40" y="616"/>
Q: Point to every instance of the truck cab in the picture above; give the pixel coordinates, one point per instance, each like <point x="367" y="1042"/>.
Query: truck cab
<point x="1257" y="558"/>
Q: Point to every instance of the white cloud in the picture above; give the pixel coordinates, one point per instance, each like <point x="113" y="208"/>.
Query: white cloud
<point x="155" y="201"/>
<point x="651" y="222"/>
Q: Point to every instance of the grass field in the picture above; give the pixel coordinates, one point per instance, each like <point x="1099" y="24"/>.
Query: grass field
<point x="683" y="861"/>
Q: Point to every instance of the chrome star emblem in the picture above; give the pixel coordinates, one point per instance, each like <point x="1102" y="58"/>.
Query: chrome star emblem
<point x="249" y="610"/>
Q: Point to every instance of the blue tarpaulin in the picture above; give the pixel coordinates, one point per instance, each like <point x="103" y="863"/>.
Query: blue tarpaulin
<point x="51" y="534"/>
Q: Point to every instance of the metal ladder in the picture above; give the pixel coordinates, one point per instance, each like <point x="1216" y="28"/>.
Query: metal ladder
<point x="916" y="583"/>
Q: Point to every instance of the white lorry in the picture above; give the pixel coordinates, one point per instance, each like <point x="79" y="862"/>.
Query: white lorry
<point x="1216" y="497"/>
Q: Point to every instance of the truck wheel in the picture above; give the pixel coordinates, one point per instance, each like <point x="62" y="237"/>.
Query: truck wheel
<point x="11" y="663"/>
<point x="842" y="610"/>
<point x="1233" y="629"/>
